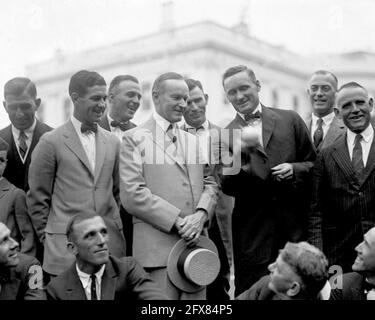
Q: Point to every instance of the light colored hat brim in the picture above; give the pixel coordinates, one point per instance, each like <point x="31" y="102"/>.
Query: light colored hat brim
<point x="174" y="275"/>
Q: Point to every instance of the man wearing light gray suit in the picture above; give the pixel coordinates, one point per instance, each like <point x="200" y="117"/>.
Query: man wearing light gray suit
<point x="324" y="126"/>
<point x="75" y="169"/>
<point x="164" y="184"/>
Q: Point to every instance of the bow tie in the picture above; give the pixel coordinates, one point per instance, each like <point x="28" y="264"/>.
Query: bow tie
<point x="123" y="125"/>
<point x="89" y="128"/>
<point x="253" y="116"/>
<point x="195" y="130"/>
<point x="368" y="286"/>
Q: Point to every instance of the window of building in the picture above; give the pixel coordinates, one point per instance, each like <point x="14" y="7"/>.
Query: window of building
<point x="68" y="110"/>
<point x="146" y="95"/>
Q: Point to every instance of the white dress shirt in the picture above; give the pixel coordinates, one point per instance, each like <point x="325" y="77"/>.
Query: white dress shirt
<point x="88" y="142"/>
<point x="367" y="135"/>
<point x="86" y="281"/>
<point x="203" y="138"/>
<point x="257" y="125"/>
<point x="327" y="120"/>
<point x="29" y="135"/>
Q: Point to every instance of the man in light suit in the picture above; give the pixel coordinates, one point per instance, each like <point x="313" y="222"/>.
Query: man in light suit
<point x="343" y="203"/>
<point x="24" y="132"/>
<point x="124" y="96"/>
<point x="75" y="168"/>
<point x="164" y="185"/>
<point x="220" y="229"/>
<point x="272" y="185"/>
<point x="324" y="126"/>
<point x="96" y="275"/>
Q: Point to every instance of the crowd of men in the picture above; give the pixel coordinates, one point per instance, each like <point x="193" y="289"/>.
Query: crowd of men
<point x="102" y="209"/>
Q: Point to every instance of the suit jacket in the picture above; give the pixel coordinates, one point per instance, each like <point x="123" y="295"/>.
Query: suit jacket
<point x="105" y="124"/>
<point x="62" y="184"/>
<point x="343" y="205"/>
<point x="23" y="282"/>
<point x="14" y="215"/>
<point x="353" y="288"/>
<point x="335" y="130"/>
<point x="123" y="280"/>
<point x="259" y="291"/>
<point x="156" y="188"/>
<point x="16" y="171"/>
<point x="267" y="213"/>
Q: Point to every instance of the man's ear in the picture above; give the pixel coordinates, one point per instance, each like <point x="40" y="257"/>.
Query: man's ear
<point x="371" y="104"/>
<point x="74" y="96"/>
<point x="72" y="248"/>
<point x="294" y="289"/>
<point x="5" y="106"/>
<point x="206" y="97"/>
<point x="37" y="103"/>
<point x="337" y="112"/>
<point x="258" y="85"/>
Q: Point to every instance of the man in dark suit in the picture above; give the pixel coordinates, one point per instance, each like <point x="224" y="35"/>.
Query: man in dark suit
<point x="360" y="284"/>
<point x="324" y="126"/>
<point x="96" y="275"/>
<point x="75" y="168"/>
<point x="220" y="228"/>
<point x="124" y="96"/>
<point x="343" y="203"/>
<point x="25" y="130"/>
<point x="300" y="272"/>
<point x="21" y="276"/>
<point x="272" y="185"/>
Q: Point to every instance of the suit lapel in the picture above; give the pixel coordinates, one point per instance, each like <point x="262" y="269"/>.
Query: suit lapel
<point x="340" y="154"/>
<point x="109" y="281"/>
<point x="100" y="152"/>
<point x="335" y="130"/>
<point x="4" y="187"/>
<point x="73" y="142"/>
<point x="268" y="124"/>
<point x="74" y="288"/>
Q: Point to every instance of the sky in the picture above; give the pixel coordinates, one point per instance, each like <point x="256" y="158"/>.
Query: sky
<point x="33" y="30"/>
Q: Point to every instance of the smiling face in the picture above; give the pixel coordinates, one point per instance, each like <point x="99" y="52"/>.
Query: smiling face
<point x="354" y="107"/>
<point x="90" y="108"/>
<point x="195" y="113"/>
<point x="242" y="92"/>
<point x="21" y="110"/>
<point x="8" y="248"/>
<point x="171" y="100"/>
<point x="322" y="89"/>
<point x="89" y="244"/>
<point x="124" y="100"/>
<point x="365" y="261"/>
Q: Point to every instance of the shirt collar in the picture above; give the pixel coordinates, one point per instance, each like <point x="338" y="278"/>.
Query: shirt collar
<point x="163" y="123"/>
<point x="367" y="135"/>
<point x="204" y="125"/>
<point x="258" y="108"/>
<point x="327" y="119"/>
<point x="28" y="131"/>
<point x="86" y="277"/>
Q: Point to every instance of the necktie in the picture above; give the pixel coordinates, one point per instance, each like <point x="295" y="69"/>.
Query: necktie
<point x="122" y="125"/>
<point x="89" y="128"/>
<point x="93" y="287"/>
<point x="318" y="134"/>
<point x="170" y="133"/>
<point x="195" y="130"/>
<point x="252" y="117"/>
<point x="22" y="144"/>
<point x="357" y="159"/>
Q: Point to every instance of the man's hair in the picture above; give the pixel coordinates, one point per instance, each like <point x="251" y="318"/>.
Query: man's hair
<point x="309" y="263"/>
<point x="3" y="145"/>
<point x="84" y="79"/>
<point x="237" y="69"/>
<point x="118" y="79"/>
<point x="351" y="85"/>
<point x="18" y="86"/>
<point x="325" y="73"/>
<point x="193" y="84"/>
<point x="77" y="218"/>
<point x="165" y="76"/>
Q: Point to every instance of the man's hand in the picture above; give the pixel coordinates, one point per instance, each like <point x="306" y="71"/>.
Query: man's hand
<point x="282" y="171"/>
<point x="192" y="226"/>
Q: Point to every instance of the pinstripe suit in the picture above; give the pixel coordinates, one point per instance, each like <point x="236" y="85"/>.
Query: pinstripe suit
<point x="343" y="205"/>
